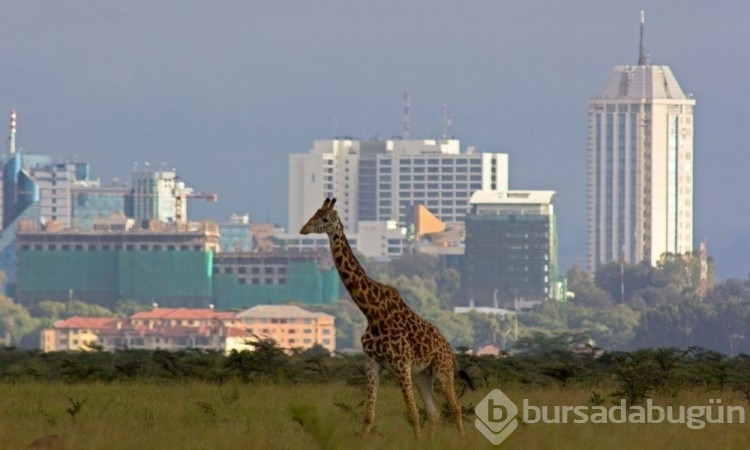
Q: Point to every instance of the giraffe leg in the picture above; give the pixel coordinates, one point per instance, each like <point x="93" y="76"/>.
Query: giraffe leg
<point x="404" y="379"/>
<point x="373" y="380"/>
<point x="445" y="379"/>
<point x="424" y="382"/>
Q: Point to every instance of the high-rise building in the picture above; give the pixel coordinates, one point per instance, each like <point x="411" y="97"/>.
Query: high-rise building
<point x="511" y="249"/>
<point x="379" y="181"/>
<point x="640" y="166"/>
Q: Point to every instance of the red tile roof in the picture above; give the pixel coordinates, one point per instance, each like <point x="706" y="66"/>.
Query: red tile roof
<point x="183" y="313"/>
<point x="237" y="332"/>
<point x="89" y="323"/>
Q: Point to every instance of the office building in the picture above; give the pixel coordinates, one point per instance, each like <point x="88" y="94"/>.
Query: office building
<point x="380" y="181"/>
<point x="511" y="249"/>
<point x="640" y="166"/>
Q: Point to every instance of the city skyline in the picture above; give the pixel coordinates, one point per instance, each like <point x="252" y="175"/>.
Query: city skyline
<point x="123" y="84"/>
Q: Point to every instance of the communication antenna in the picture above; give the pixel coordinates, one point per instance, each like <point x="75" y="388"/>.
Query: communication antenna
<point x="642" y="55"/>
<point x="405" y="133"/>
<point x="12" y="137"/>
<point x="447" y="121"/>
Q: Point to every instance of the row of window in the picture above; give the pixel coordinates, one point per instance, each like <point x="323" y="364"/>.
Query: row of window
<point x="325" y="331"/>
<point x="268" y="270"/>
<point x="277" y="320"/>
<point x="257" y="281"/>
<point x="168" y="247"/>
<point x="473" y="169"/>
<point x="432" y="161"/>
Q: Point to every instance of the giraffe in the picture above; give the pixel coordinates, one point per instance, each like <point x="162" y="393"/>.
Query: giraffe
<point x="396" y="338"/>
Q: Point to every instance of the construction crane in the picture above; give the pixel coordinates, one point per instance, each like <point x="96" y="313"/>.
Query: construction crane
<point x="183" y="194"/>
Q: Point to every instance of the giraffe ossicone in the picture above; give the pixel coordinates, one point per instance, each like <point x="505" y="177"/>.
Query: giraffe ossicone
<point x="396" y="338"/>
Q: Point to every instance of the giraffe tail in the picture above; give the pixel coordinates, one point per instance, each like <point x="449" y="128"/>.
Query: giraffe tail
<point x="465" y="376"/>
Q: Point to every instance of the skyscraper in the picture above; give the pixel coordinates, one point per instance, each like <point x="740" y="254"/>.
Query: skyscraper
<point x="640" y="166"/>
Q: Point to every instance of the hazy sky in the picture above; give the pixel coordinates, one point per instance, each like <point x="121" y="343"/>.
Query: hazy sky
<point x="223" y="91"/>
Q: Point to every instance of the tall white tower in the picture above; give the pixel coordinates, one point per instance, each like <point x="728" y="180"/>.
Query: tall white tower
<point x="640" y="166"/>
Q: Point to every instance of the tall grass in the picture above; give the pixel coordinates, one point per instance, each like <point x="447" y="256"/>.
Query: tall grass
<point x="197" y="415"/>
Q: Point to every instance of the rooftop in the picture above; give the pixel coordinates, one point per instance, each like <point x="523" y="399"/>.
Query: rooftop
<point x="88" y="323"/>
<point x="280" y="311"/>
<point x="183" y="313"/>
<point x="512" y="197"/>
<point x="642" y="82"/>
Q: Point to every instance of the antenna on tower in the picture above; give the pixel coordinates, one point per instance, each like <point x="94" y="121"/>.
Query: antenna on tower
<point x="642" y="55"/>
<point x="405" y="133"/>
<point x="12" y="137"/>
<point x="335" y="128"/>
<point x="447" y="121"/>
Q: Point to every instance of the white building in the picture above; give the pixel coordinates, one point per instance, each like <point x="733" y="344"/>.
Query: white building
<point x="379" y="181"/>
<point x="640" y="166"/>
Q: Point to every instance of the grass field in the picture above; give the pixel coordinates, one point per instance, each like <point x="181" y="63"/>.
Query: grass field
<point x="236" y="416"/>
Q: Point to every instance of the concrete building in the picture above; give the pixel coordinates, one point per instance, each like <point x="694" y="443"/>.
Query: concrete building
<point x="640" y="166"/>
<point x="511" y="249"/>
<point x="291" y="326"/>
<point x="236" y="234"/>
<point x="157" y="195"/>
<point x="92" y="202"/>
<point x="158" y="329"/>
<point x="117" y="260"/>
<point x="242" y="280"/>
<point x="380" y="181"/>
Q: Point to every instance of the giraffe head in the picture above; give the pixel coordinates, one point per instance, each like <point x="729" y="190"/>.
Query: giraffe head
<point x="325" y="220"/>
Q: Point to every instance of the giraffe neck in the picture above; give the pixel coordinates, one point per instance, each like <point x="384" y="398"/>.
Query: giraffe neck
<point x="351" y="272"/>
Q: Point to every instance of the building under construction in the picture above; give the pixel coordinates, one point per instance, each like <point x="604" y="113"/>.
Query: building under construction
<point x="172" y="264"/>
<point x="161" y="263"/>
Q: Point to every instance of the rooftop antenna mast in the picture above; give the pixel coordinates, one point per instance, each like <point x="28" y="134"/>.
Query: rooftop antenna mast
<point x="447" y="121"/>
<point x="642" y="55"/>
<point x="405" y="133"/>
<point x="12" y="137"/>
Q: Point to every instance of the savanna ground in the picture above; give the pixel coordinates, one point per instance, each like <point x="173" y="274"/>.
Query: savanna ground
<point x="233" y="415"/>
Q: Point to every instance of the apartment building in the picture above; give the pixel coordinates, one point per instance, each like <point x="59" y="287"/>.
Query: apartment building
<point x="291" y="326"/>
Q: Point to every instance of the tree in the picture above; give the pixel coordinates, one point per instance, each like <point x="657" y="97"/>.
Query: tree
<point x="587" y="293"/>
<point x="128" y="307"/>
<point x="49" y="311"/>
<point x="16" y="321"/>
